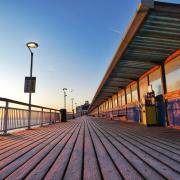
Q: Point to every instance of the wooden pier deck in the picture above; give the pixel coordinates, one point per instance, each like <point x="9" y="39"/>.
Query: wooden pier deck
<point x="91" y="148"/>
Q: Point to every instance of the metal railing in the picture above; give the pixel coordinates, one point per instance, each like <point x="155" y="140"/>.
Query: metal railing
<point x="14" y="115"/>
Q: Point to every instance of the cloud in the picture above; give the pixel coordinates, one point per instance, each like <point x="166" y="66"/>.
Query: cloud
<point x="115" y="31"/>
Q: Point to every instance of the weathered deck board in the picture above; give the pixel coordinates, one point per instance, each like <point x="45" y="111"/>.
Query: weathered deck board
<point x="91" y="166"/>
<point x="91" y="148"/>
<point x="23" y="170"/>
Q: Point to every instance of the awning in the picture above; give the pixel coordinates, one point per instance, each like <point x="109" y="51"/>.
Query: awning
<point x="153" y="35"/>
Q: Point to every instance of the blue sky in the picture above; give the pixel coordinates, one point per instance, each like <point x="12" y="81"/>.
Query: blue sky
<point x="77" y="40"/>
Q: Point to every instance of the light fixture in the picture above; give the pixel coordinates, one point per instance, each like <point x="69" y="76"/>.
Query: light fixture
<point x="32" y="45"/>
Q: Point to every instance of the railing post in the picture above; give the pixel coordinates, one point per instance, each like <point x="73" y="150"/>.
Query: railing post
<point x="29" y="117"/>
<point x="5" y="118"/>
<point x="59" y="115"/>
<point x="42" y="116"/>
<point x="50" y="116"/>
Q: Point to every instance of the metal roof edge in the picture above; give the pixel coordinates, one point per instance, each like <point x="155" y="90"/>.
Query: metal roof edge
<point x="122" y="47"/>
<point x="138" y="19"/>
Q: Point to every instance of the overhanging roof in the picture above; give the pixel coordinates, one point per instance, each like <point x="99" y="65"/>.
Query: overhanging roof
<point x="152" y="36"/>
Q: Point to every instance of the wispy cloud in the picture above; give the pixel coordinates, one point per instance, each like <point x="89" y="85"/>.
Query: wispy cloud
<point x="115" y="31"/>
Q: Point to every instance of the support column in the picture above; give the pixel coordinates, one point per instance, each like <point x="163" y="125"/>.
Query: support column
<point x="164" y="86"/>
<point x="118" y="103"/>
<point x="131" y="93"/>
<point x="112" y="103"/>
<point x="98" y="111"/>
<point x="112" y="106"/>
<point x="139" y="100"/>
<point x="126" y="101"/>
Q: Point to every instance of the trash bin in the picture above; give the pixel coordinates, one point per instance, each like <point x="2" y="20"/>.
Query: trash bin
<point x="63" y="115"/>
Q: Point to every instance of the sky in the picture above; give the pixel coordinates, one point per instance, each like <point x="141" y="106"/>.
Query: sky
<point x="77" y="40"/>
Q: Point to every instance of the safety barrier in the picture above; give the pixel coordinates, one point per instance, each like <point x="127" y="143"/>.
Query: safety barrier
<point x="15" y="115"/>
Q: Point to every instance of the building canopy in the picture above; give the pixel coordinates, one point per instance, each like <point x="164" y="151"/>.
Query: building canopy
<point x="153" y="35"/>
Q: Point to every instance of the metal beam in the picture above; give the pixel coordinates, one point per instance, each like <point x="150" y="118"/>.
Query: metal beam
<point x="130" y="67"/>
<point x="125" y="78"/>
<point x="141" y="61"/>
<point x="127" y="75"/>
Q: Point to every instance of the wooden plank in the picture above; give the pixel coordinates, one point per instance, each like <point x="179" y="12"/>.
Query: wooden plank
<point x="164" y="149"/>
<point x="91" y="148"/>
<point x="29" y="165"/>
<point x="166" y="157"/>
<point x="26" y="156"/>
<point x="58" y="168"/>
<point x="137" y="132"/>
<point x="91" y="168"/>
<point x="108" y="169"/>
<point x="19" y="136"/>
<point x="143" y="168"/>
<point x="26" y="144"/>
<point x="17" y="145"/>
<point x="123" y="165"/>
<point x="43" y="167"/>
<point x="74" y="168"/>
<point x="160" y="167"/>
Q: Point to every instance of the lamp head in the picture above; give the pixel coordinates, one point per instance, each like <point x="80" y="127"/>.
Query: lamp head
<point x="32" y="45"/>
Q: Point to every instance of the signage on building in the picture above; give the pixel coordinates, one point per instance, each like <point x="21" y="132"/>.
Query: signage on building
<point x="29" y="84"/>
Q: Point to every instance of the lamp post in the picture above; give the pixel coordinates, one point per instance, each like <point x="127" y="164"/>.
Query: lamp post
<point x="76" y="109"/>
<point x="30" y="45"/>
<point x="72" y="99"/>
<point x="76" y="105"/>
<point x="64" y="90"/>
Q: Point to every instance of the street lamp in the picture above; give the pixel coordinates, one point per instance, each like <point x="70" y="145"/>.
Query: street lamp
<point x="30" y="45"/>
<point x="76" y="107"/>
<point x="72" y="99"/>
<point x="65" y="89"/>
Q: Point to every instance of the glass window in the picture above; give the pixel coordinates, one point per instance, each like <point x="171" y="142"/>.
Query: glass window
<point x="107" y="105"/>
<point x="99" y="108"/>
<point x="115" y="101"/>
<point x="128" y="94"/>
<point x="110" y="104"/>
<point x="123" y="98"/>
<point x="155" y="81"/>
<point x="119" y="98"/>
<point x="103" y="107"/>
<point x="172" y="69"/>
<point x="143" y="86"/>
<point x="134" y="92"/>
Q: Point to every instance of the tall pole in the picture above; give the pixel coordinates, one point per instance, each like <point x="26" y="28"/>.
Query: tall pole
<point x="31" y="68"/>
<point x="64" y="100"/>
<point x="30" y="45"/>
<point x="76" y="107"/>
<point x="64" y="89"/>
<point x="72" y="108"/>
<point x="72" y="103"/>
<point x="164" y="84"/>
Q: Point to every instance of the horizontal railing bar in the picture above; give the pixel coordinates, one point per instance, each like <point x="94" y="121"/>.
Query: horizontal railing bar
<point x="25" y="104"/>
<point x="19" y="109"/>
